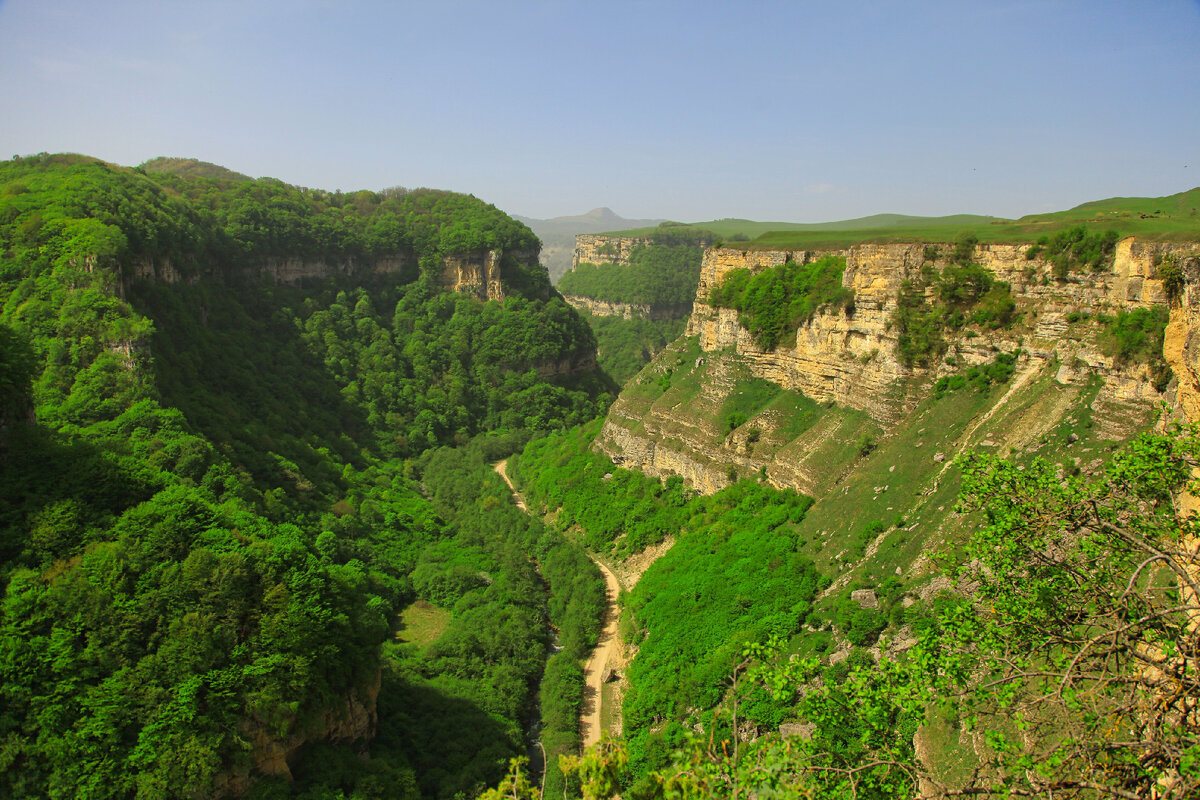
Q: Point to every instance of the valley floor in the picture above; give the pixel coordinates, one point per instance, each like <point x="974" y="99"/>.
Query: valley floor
<point x="597" y="665"/>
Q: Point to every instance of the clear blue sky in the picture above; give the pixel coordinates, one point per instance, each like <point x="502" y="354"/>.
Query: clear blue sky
<point x="800" y="111"/>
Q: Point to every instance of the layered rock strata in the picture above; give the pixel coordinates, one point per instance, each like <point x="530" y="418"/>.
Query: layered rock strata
<point x="850" y="358"/>
<point x="602" y="308"/>
<point x="477" y="273"/>
<point x="603" y="248"/>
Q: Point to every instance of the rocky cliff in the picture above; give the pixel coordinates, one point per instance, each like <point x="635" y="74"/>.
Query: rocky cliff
<point x="604" y="248"/>
<point x="477" y="273"/>
<point x="601" y="308"/>
<point x="274" y="753"/>
<point x="849" y="360"/>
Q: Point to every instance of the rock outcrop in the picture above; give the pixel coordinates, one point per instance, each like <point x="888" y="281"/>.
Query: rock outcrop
<point x="603" y="248"/>
<point x="479" y="273"/>
<point x="850" y="358"/>
<point x="601" y="308"/>
<point x="273" y="754"/>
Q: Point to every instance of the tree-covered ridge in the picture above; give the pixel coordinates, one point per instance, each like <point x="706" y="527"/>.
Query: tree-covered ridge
<point x="624" y="346"/>
<point x="57" y="209"/>
<point x="276" y="374"/>
<point x="657" y="275"/>
<point x="734" y="575"/>
<point x="202" y="551"/>
<point x="964" y="293"/>
<point x="191" y="168"/>
<point x="154" y="617"/>
<point x="772" y="304"/>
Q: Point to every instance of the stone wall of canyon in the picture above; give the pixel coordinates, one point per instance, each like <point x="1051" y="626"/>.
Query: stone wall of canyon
<point x="601" y="308"/>
<point x="603" y="248"/>
<point x="850" y="359"/>
<point x="477" y="273"/>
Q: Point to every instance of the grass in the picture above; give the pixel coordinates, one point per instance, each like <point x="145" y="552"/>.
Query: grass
<point x="1174" y="217"/>
<point x="744" y="227"/>
<point x="797" y="412"/>
<point x="751" y="396"/>
<point x="422" y="623"/>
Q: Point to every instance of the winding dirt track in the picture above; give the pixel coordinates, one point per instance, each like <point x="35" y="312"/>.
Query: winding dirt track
<point x="593" y="672"/>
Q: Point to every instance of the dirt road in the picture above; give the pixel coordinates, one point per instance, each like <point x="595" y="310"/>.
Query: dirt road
<point x="593" y="673"/>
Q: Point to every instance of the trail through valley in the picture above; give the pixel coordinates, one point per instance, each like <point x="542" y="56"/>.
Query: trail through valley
<point x="593" y="673"/>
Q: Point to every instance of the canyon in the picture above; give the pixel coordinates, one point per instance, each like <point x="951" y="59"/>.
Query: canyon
<point x="849" y="359"/>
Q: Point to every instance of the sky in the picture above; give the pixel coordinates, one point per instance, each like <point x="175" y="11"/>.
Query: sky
<point x="783" y="111"/>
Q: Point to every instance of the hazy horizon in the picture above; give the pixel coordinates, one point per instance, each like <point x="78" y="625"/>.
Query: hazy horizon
<point x="773" y="111"/>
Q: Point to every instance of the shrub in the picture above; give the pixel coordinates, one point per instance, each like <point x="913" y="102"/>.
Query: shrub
<point x="774" y="303"/>
<point x="1170" y="271"/>
<point x="1138" y="334"/>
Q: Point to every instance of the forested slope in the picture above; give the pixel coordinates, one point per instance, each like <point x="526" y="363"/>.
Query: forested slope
<point x="991" y="591"/>
<point x="212" y="505"/>
<point x="637" y="304"/>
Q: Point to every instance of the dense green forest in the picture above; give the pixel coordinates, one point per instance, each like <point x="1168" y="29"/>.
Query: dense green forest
<point x="230" y="493"/>
<point x="661" y="275"/>
<point x="657" y="275"/>
<point x="1069" y="634"/>
<point x="624" y="346"/>
<point x="772" y="304"/>
<point x="251" y="542"/>
<point x="734" y="576"/>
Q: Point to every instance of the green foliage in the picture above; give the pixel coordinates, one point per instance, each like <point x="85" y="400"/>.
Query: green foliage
<point x="774" y="303"/>
<point x="1075" y="248"/>
<point x="200" y="549"/>
<point x="1170" y="272"/>
<point x="502" y="574"/>
<point x="624" y="346"/>
<point x="918" y="325"/>
<point x="746" y="401"/>
<point x="966" y="294"/>
<point x="663" y="275"/>
<point x="1136" y="335"/>
<point x="980" y="378"/>
<point x="1082" y="622"/>
<point x="735" y="575"/>
<point x="618" y="510"/>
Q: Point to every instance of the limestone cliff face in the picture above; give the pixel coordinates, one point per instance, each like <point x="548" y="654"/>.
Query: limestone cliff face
<point x="273" y="754"/>
<point x="849" y="358"/>
<point x="1181" y="348"/>
<point x="477" y="273"/>
<point x="601" y="308"/>
<point x="602" y="248"/>
<point x="473" y="273"/>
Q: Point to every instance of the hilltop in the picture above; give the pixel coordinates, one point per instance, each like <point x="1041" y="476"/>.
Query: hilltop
<point x="558" y="234"/>
<point x="1174" y="217"/>
<point x="192" y="168"/>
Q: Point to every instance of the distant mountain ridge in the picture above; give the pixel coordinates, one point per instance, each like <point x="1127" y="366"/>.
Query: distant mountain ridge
<point x="192" y="168"/>
<point x="558" y="234"/>
<point x="597" y="220"/>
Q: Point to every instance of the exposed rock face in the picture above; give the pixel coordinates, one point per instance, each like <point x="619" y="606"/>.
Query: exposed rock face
<point x="272" y="754"/>
<point x="600" y="308"/>
<point x="473" y="273"/>
<point x="476" y="273"/>
<point x="850" y="358"/>
<point x="602" y="248"/>
<point x="1181" y="349"/>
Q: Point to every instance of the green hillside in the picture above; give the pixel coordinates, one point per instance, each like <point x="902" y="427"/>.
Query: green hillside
<point x="230" y="489"/>
<point x="253" y="544"/>
<point x="192" y="168"/>
<point x="1175" y="217"/>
